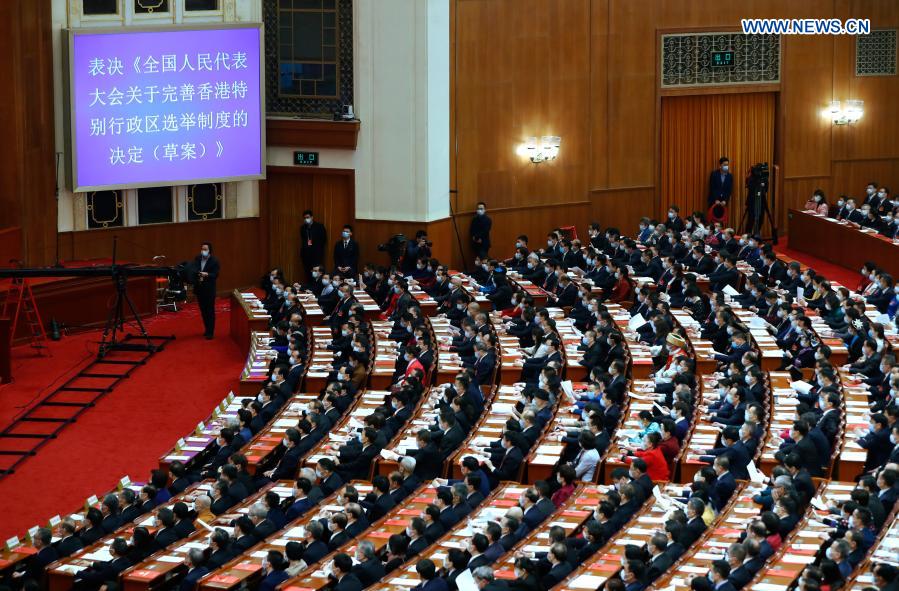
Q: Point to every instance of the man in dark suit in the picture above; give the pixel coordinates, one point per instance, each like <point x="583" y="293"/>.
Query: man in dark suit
<point x="101" y="572"/>
<point x="695" y="526"/>
<point x="379" y="501"/>
<point x="342" y="572"/>
<point x="721" y="183"/>
<point x="313" y="238"/>
<point x="46" y="554"/>
<point x="428" y="462"/>
<point x="69" y="544"/>
<point x="659" y="560"/>
<point x="369" y="568"/>
<point x="302" y="503"/>
<point x="167" y="535"/>
<point x="346" y="254"/>
<point x="417" y="540"/>
<point x="206" y="270"/>
<point x="480" y="231"/>
<point x="559" y="566"/>
<point x="725" y="485"/>
<point x="452" y="434"/>
<point x="719" y="574"/>
<point x="508" y="466"/>
<point x="316" y="549"/>
<point x="196" y="569"/>
<point x="337" y="525"/>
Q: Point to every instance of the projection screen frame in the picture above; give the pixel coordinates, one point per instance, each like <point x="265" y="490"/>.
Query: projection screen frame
<point x="69" y="125"/>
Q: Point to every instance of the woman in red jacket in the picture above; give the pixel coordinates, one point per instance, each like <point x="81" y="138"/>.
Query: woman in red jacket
<point x="622" y="292"/>
<point x="656" y="465"/>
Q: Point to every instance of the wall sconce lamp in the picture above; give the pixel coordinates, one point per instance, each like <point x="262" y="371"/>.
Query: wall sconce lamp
<point x="541" y="149"/>
<point x="843" y="113"/>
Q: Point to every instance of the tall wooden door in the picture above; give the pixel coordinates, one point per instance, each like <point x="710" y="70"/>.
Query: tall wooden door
<point x="288" y="193"/>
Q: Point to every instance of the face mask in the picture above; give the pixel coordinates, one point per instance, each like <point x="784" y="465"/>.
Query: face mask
<point x="345" y="234"/>
<point x="671" y="215"/>
<point x="840" y="203"/>
<point x="481" y="211"/>
<point x="530" y="265"/>
<point x="308" y="221"/>
<point x="881" y="194"/>
<point x="204" y="253"/>
<point x="870" y="190"/>
<point x="549" y="243"/>
<point x="315" y="274"/>
<point x="725" y="167"/>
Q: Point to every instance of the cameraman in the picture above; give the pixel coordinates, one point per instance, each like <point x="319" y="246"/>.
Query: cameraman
<point x="415" y="249"/>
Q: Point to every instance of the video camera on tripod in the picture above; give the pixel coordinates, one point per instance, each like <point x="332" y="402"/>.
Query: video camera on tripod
<point x="394" y="248"/>
<point x="757" y="208"/>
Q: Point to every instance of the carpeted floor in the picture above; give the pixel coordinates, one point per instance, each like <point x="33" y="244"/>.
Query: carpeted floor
<point x="128" y="429"/>
<point x="846" y="277"/>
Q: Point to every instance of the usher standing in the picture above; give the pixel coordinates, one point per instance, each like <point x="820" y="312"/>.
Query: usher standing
<point x="207" y="266"/>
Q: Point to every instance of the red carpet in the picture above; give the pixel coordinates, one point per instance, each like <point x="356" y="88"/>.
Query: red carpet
<point x="128" y="429"/>
<point x="846" y="277"/>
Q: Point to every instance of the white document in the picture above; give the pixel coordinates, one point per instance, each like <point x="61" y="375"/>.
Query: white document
<point x="636" y="322"/>
<point x="465" y="581"/>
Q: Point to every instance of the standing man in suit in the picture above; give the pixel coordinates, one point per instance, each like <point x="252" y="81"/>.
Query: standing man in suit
<point x="480" y="231"/>
<point x="313" y="238"/>
<point x="207" y="271"/>
<point x="721" y="184"/>
<point x="346" y="254"/>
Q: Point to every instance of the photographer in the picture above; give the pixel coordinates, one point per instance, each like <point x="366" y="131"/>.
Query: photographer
<point x="420" y="248"/>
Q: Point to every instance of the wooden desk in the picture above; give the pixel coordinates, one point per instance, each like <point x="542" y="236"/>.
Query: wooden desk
<point x="491" y="509"/>
<point x="247" y="315"/>
<point x="166" y="566"/>
<point x="607" y="561"/>
<point x="246" y="569"/>
<point x="61" y="574"/>
<point x="840" y="243"/>
<point x="856" y="415"/>
<point x="802" y="546"/>
<point x="255" y="370"/>
<point x="731" y="523"/>
<point x="191" y="449"/>
<point x="394" y="522"/>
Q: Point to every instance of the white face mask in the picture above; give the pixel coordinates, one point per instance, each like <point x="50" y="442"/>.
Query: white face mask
<point x="725" y="167"/>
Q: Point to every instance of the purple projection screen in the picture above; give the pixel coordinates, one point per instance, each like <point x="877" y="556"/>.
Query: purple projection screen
<point x="170" y="106"/>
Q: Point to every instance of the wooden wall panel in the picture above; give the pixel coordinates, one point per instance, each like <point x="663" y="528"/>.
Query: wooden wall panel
<point x="236" y="242"/>
<point x="494" y="64"/>
<point x="27" y="170"/>
<point x="288" y="192"/>
<point x="10" y="244"/>
<point x="631" y="75"/>
<point x="530" y="79"/>
<point x="851" y="176"/>
<point x="621" y="208"/>
<point x="807" y="68"/>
